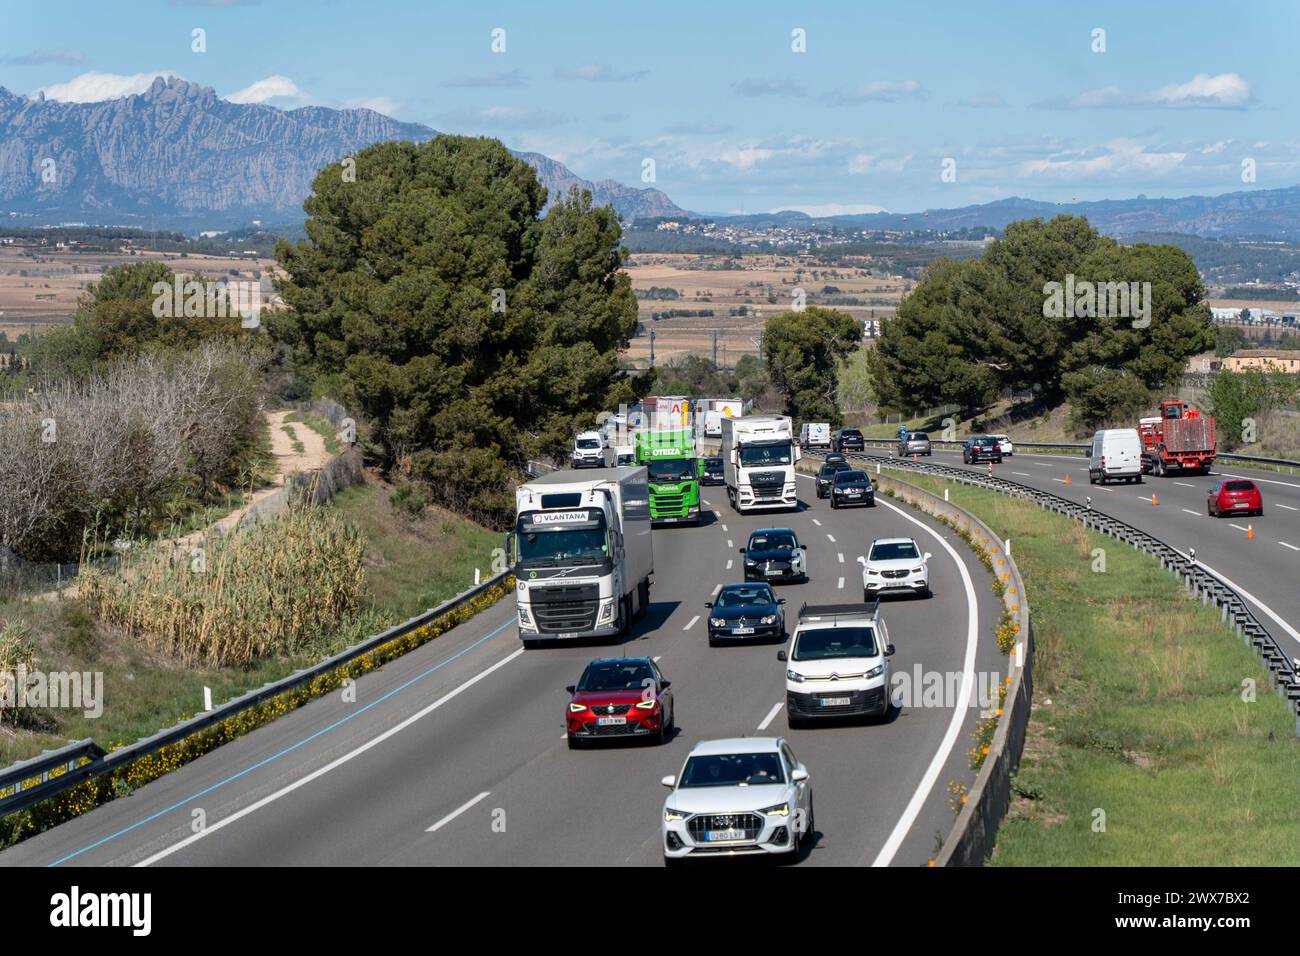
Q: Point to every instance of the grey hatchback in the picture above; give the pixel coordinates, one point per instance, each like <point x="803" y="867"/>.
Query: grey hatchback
<point x="914" y="443"/>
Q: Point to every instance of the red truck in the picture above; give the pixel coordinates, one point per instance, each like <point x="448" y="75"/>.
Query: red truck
<point x="1179" y="439"/>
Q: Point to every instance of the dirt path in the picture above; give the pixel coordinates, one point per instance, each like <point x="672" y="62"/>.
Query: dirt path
<point x="287" y="459"/>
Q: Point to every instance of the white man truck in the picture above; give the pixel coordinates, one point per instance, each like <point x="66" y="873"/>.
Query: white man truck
<point x="758" y="457"/>
<point x="582" y="555"/>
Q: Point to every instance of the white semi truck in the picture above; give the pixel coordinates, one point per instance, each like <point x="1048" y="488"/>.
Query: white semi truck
<point x="758" y="457"/>
<point x="582" y="554"/>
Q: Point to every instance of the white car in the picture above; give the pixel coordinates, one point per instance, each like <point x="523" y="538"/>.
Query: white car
<point x="838" y="663"/>
<point x="1004" y="443"/>
<point x="588" y="451"/>
<point x="745" y="796"/>
<point x="895" y="565"/>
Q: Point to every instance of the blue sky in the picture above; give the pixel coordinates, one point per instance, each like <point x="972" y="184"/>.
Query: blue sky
<point x="733" y="118"/>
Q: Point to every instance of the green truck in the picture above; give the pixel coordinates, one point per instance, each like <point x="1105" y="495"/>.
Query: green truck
<point x="669" y="456"/>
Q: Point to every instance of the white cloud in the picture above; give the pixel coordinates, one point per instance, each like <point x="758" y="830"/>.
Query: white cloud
<point x="1223" y="91"/>
<point x="879" y="91"/>
<point x="1118" y="158"/>
<point x="272" y="88"/>
<point x="768" y="87"/>
<point x="598" y="73"/>
<point x="95" y="87"/>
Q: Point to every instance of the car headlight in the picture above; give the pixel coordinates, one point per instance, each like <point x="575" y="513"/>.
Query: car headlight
<point x="749" y="563"/>
<point x="717" y="622"/>
<point x="918" y="570"/>
<point x="673" y="816"/>
<point x="777" y="810"/>
<point x="576" y="708"/>
<point x="876" y="671"/>
<point x="874" y="574"/>
<point x="767" y="619"/>
<point x="794" y="676"/>
<point x="647" y="704"/>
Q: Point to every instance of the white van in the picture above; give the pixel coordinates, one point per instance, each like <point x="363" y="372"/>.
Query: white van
<point x="588" y="451"/>
<point x="1116" y="453"/>
<point x="815" y="435"/>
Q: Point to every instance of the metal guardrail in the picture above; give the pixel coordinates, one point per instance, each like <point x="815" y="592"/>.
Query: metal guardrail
<point x="97" y="761"/>
<point x="1198" y="581"/>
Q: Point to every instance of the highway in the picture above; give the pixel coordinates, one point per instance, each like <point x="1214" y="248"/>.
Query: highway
<point x="1264" y="568"/>
<point x="454" y="754"/>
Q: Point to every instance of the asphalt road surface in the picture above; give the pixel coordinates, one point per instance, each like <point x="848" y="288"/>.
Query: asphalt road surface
<point x="1264" y="567"/>
<point x="454" y="754"/>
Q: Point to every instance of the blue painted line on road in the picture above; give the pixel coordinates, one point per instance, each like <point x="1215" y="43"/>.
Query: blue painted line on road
<point x="290" y="749"/>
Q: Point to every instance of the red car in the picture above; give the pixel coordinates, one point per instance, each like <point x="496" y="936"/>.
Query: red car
<point x="1234" y="496"/>
<point x="620" y="697"/>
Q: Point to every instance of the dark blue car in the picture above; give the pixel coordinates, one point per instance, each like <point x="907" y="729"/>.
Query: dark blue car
<point x="746" y="612"/>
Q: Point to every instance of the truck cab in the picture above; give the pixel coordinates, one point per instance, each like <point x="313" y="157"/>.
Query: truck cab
<point x="581" y="552"/>
<point x="759" y="453"/>
<point x="673" y="473"/>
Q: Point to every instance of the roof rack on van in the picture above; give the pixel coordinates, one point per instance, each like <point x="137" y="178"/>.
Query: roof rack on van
<point x="833" y="612"/>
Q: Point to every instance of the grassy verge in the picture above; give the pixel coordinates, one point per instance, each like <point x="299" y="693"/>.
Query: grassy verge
<point x="1139" y="722"/>
<point x="412" y="563"/>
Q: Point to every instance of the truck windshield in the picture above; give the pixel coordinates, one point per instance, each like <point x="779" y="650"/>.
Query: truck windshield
<point x="758" y="456"/>
<point x="561" y="545"/>
<point x="680" y="469"/>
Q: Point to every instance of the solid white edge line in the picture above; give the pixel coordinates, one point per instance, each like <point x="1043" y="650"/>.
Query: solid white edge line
<point x="776" y="709"/>
<point x="959" y="714"/>
<point x="333" y="764"/>
<point x="1295" y="635"/>
<point x="455" y="813"/>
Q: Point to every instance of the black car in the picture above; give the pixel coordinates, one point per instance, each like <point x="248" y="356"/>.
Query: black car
<point x="848" y="439"/>
<point x="852" y="487"/>
<point x="711" y="473"/>
<point x="834" y="458"/>
<point x="775" y="554"/>
<point x="750" y="612"/>
<point x="827" y="473"/>
<point x="982" y="448"/>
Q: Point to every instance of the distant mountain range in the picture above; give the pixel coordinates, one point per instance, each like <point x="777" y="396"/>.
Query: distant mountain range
<point x="1263" y="213"/>
<point x="179" y="157"/>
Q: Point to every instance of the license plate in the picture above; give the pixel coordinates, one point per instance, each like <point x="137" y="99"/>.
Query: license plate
<point x="743" y="630"/>
<point x="835" y="701"/>
<point x="570" y="634"/>
<point x="611" y="721"/>
<point x="1242" y="504"/>
<point x="854" y="494"/>
<point x="774" y="571"/>
<point x="718" y="836"/>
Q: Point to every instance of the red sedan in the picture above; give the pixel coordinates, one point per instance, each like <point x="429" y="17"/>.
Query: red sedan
<point x="620" y="697"/>
<point x="1234" y="496"/>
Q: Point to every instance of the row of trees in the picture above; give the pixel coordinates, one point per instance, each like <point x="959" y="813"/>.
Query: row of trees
<point x="973" y="328"/>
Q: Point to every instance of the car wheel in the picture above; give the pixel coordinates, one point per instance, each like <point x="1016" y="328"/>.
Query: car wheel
<point x="674" y="862"/>
<point x="713" y="641"/>
<point x="926" y="592"/>
<point x="530" y="645"/>
<point x="833" y="504"/>
<point x="794" y="723"/>
<point x="574" y="742"/>
<point x="665" y="733"/>
<point x="806" y="837"/>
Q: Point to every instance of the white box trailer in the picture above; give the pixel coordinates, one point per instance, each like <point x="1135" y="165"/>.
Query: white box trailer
<point x="758" y="458"/>
<point x="582" y="553"/>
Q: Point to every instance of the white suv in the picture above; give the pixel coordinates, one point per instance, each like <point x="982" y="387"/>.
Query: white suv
<point x="838" y="663"/>
<point x="895" y="565"/>
<point x="746" y="796"/>
<point x="588" y="451"/>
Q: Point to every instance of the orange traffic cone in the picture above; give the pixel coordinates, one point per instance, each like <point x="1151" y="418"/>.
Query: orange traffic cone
<point x="1153" y="500"/>
<point x="990" y="469"/>
<point x="1250" y="531"/>
<point x="1067" y="479"/>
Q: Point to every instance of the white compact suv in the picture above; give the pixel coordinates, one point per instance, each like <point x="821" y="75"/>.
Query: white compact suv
<point x="588" y="451"/>
<point x="838" y="663"/>
<point x="895" y="565"/>
<point x="745" y="796"/>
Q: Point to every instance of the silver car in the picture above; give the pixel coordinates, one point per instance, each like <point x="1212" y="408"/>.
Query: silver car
<point x="914" y="443"/>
